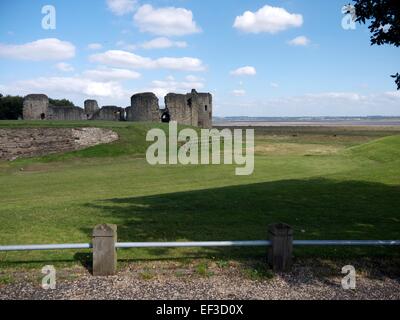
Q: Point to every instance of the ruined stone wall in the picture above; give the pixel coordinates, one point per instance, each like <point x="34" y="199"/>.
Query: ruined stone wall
<point x="35" y="107"/>
<point x="31" y="142"/>
<point x="130" y="114"/>
<point x="144" y="107"/>
<point x="193" y="109"/>
<point x="182" y="108"/>
<point x="66" y="113"/>
<point x="110" y="113"/>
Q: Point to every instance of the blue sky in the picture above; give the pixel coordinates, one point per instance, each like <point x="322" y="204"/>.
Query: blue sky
<point x="258" y="58"/>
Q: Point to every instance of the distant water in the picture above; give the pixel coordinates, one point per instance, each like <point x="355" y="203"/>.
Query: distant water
<point x="307" y="123"/>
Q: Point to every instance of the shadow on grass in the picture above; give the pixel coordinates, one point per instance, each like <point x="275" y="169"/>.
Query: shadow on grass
<point x="316" y="208"/>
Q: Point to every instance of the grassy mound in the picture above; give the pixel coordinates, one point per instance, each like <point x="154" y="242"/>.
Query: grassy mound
<point x="132" y="138"/>
<point x="386" y="149"/>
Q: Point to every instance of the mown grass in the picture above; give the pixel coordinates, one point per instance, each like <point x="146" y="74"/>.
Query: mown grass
<point x="350" y="193"/>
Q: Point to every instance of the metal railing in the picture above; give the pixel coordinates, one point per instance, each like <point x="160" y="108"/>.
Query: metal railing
<point x="255" y="243"/>
<point x="38" y="247"/>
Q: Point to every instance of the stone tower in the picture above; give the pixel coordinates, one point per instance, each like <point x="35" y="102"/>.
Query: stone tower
<point x="205" y="109"/>
<point x="144" y="107"/>
<point x="91" y="107"/>
<point x="36" y="107"/>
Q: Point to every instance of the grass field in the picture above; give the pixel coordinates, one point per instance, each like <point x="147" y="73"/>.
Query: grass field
<point x="327" y="182"/>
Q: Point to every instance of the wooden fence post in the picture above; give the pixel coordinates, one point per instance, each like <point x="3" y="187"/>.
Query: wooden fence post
<point x="281" y="249"/>
<point x="104" y="252"/>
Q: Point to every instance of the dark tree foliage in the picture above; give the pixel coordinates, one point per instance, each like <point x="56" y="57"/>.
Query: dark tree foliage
<point x="10" y="107"/>
<point x="397" y="79"/>
<point x="60" y="103"/>
<point x="384" y="19"/>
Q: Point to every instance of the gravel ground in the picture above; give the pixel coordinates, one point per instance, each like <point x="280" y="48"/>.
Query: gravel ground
<point x="210" y="280"/>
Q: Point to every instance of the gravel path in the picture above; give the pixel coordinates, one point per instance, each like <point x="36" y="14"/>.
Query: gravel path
<point x="161" y="280"/>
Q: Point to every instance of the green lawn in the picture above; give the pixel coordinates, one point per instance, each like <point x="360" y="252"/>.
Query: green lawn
<point x="328" y="183"/>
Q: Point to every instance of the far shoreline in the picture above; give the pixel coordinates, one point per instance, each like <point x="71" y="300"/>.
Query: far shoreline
<point x="317" y="123"/>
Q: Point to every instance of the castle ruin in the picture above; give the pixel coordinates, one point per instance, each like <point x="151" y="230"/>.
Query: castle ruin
<point x="193" y="109"/>
<point x="37" y="107"/>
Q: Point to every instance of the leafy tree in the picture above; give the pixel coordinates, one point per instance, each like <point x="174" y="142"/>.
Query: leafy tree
<point x="383" y="17"/>
<point x="10" y="107"/>
<point x="60" y="103"/>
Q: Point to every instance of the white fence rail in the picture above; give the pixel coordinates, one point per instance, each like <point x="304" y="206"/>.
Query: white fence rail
<point x="280" y="245"/>
<point x="255" y="243"/>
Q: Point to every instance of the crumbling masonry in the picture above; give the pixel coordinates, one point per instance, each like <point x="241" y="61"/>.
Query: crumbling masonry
<point x="193" y="109"/>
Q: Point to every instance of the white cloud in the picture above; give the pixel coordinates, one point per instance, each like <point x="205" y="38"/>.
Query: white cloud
<point x="40" y="50"/>
<point x="239" y="93"/>
<point x="162" y="43"/>
<point x="111" y="74"/>
<point x="157" y="43"/>
<point x="121" y="7"/>
<point x="316" y="104"/>
<point x="175" y="85"/>
<point x="124" y="59"/>
<point x="192" y="78"/>
<point x="267" y="19"/>
<point x="244" y="71"/>
<point x="59" y="86"/>
<point x="119" y="58"/>
<point x="393" y="94"/>
<point x="95" y="46"/>
<point x="162" y="87"/>
<point x="300" y="41"/>
<point x="126" y="46"/>
<point x="351" y="96"/>
<point x="274" y="85"/>
<point x="64" y="67"/>
<point x="183" y="64"/>
<point x="167" y="21"/>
